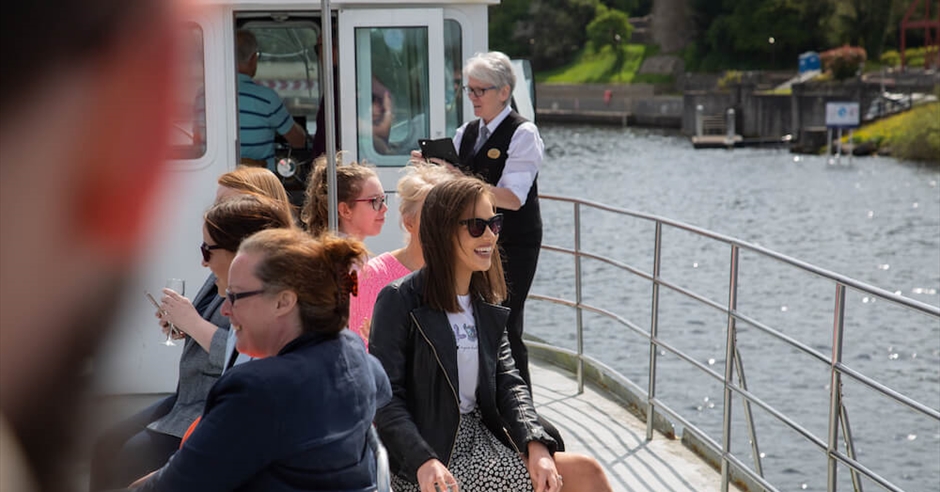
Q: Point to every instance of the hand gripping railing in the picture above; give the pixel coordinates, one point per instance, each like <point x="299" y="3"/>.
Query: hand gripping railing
<point x="838" y="415"/>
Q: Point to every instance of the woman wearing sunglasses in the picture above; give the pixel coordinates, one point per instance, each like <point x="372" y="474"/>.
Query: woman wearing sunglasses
<point x="298" y="417"/>
<point x="144" y="442"/>
<point x="461" y="418"/>
<point x="360" y="200"/>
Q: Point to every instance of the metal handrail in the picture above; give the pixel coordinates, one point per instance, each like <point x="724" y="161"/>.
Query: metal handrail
<point x="838" y="416"/>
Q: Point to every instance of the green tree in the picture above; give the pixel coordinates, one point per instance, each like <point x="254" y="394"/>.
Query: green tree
<point x="554" y="31"/>
<point x="736" y="33"/>
<point x="504" y="22"/>
<point x="865" y="23"/>
<point x="627" y="6"/>
<point x="610" y="27"/>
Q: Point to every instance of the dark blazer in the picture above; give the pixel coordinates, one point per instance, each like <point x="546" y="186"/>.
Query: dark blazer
<point x="417" y="348"/>
<point x="199" y="369"/>
<point x="296" y="421"/>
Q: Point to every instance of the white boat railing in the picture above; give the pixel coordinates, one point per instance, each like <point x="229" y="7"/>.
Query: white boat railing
<point x="837" y="413"/>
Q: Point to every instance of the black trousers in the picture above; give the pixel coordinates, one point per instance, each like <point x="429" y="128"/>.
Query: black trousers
<point x="129" y="450"/>
<point x="519" y="264"/>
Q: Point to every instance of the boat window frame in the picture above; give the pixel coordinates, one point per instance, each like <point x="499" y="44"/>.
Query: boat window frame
<point x="352" y="61"/>
<point x="191" y="153"/>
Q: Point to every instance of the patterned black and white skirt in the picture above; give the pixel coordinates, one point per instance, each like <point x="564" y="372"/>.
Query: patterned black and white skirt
<point x="480" y="463"/>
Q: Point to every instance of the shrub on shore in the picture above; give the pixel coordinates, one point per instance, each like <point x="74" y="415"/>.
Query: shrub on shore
<point x="843" y="62"/>
<point x="914" y="57"/>
<point x="913" y="135"/>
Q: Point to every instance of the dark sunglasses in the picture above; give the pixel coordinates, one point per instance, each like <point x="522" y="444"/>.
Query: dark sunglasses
<point x="476" y="227"/>
<point x="234" y="296"/>
<point x="377" y="201"/>
<point x="206" y="250"/>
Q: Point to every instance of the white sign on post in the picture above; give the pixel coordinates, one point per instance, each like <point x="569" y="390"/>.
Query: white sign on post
<point x="842" y="115"/>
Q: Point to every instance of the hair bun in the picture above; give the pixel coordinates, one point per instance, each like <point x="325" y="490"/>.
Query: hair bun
<point x="352" y="281"/>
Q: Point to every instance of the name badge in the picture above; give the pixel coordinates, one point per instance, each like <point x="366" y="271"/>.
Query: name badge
<point x="493" y="153"/>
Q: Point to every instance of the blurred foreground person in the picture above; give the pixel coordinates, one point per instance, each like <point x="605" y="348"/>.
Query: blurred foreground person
<point x="78" y="172"/>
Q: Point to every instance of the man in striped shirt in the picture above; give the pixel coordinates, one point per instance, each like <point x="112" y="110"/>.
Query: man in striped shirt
<point x="260" y="110"/>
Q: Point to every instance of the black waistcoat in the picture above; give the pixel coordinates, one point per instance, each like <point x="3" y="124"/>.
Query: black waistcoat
<point x="523" y="226"/>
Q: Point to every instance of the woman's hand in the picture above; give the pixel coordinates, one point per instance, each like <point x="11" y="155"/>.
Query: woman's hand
<point x="541" y="466"/>
<point x="165" y="326"/>
<point x="433" y="476"/>
<point x="179" y="311"/>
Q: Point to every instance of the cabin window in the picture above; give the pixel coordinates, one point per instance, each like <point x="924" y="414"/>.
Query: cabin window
<point x="392" y="98"/>
<point x="289" y="64"/>
<point x="453" y="75"/>
<point x="188" y="138"/>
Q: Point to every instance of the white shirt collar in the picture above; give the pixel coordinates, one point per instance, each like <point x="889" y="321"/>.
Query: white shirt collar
<point x="497" y="120"/>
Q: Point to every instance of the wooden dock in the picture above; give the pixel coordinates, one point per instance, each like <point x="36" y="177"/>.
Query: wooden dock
<point x="716" y="141"/>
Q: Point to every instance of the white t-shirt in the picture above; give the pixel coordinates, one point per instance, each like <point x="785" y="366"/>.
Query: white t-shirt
<point x="468" y="362"/>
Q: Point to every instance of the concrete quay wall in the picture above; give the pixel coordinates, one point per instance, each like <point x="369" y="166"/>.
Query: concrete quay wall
<point x="635" y="104"/>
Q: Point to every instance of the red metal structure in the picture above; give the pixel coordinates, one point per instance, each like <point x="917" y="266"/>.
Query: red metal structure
<point x="931" y="31"/>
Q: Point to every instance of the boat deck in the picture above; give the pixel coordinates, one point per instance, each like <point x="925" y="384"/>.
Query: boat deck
<point x="596" y="425"/>
<point x="591" y="423"/>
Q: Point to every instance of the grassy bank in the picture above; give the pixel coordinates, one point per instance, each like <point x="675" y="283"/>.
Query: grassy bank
<point x="913" y="135"/>
<point x="606" y="67"/>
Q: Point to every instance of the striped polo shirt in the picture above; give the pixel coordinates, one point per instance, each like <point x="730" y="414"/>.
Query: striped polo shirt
<point x="260" y="114"/>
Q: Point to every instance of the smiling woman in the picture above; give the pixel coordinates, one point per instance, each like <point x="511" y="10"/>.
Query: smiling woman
<point x="298" y="418"/>
<point x="458" y="398"/>
<point x="144" y="442"/>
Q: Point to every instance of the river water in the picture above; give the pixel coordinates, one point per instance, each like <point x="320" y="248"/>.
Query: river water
<point x="875" y="219"/>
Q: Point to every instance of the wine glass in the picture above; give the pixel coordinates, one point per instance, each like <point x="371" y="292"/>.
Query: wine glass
<point x="177" y="285"/>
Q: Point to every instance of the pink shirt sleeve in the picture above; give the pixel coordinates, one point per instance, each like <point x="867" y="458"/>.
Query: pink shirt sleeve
<point x="376" y="274"/>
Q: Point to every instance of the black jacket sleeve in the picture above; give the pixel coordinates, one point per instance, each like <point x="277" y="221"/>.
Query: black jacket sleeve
<point x="515" y="403"/>
<point x="390" y="341"/>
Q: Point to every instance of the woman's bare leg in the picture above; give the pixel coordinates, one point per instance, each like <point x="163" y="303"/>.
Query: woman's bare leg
<point x="581" y="473"/>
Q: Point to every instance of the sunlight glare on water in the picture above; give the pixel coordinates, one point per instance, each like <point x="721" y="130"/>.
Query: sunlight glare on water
<point x="876" y="220"/>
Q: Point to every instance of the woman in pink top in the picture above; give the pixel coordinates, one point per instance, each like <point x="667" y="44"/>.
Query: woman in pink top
<point x="413" y="187"/>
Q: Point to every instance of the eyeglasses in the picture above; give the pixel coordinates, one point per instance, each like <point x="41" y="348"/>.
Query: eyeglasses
<point x="207" y="250"/>
<point x="234" y="296"/>
<point x="476" y="227"/>
<point x="478" y="92"/>
<point x="377" y="201"/>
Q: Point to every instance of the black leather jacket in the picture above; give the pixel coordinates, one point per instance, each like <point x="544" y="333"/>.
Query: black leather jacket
<point x="417" y="348"/>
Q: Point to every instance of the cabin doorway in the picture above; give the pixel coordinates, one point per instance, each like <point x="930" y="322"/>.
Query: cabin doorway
<point x="289" y="63"/>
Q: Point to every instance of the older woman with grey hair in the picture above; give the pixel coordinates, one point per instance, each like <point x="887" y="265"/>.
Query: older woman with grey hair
<point x="505" y="150"/>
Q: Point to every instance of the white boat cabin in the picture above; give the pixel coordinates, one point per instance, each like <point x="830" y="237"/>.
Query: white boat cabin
<point x="415" y="51"/>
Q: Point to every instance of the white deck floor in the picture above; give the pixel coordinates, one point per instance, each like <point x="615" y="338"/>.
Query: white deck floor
<point x="596" y="425"/>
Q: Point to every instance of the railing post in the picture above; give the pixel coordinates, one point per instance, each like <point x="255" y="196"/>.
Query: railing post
<point x="730" y="131"/>
<point x="577" y="295"/>
<point x="748" y="415"/>
<point x="654" y="321"/>
<point x="699" y="117"/>
<point x="850" y="448"/>
<point x="835" y="387"/>
<point x="729" y="370"/>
